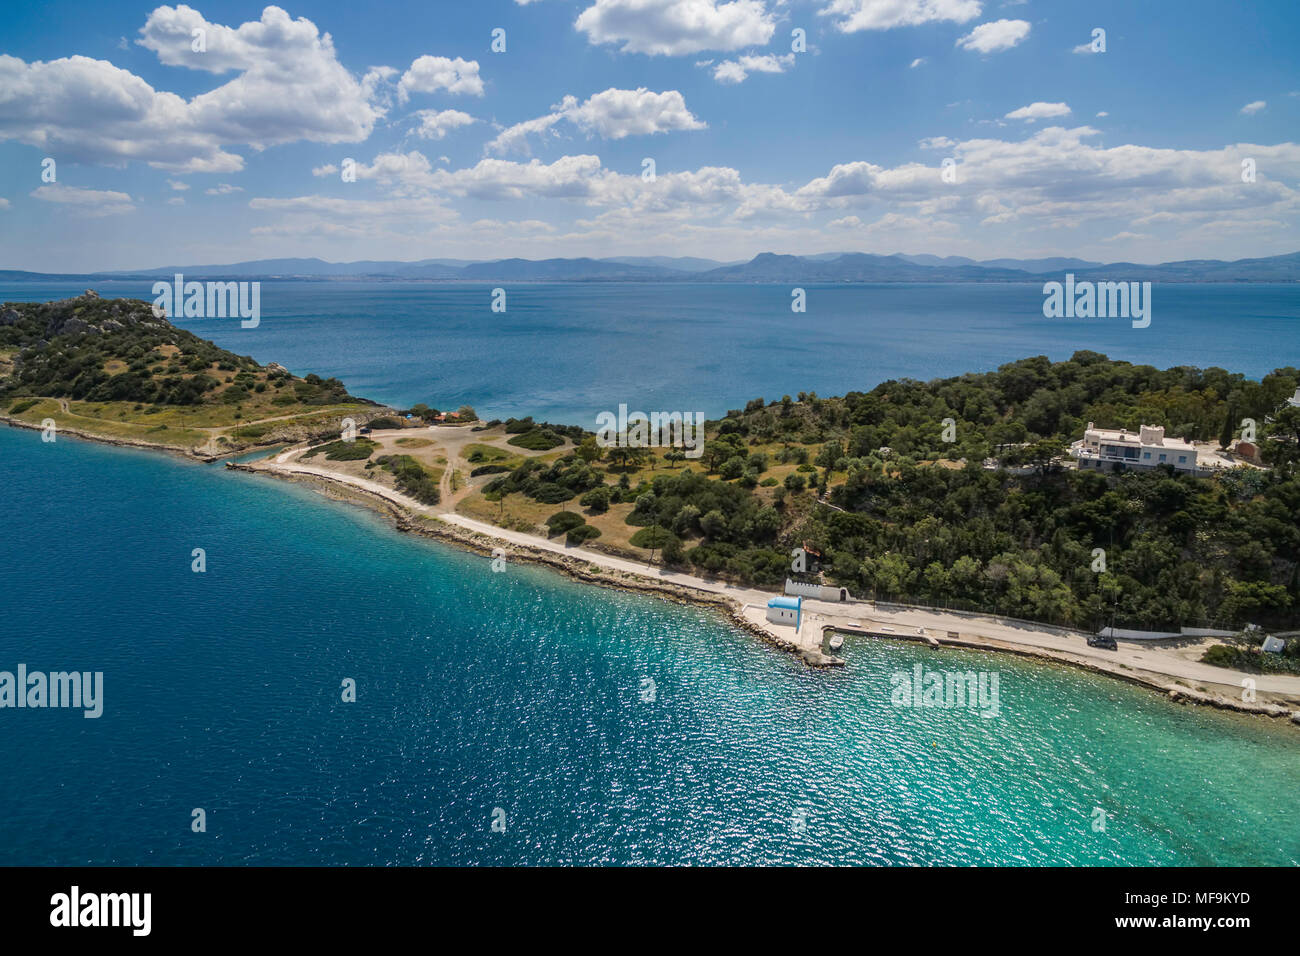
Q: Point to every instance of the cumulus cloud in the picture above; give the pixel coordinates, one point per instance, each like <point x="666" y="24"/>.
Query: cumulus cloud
<point x="289" y="86"/>
<point x="676" y="27"/>
<point x="1036" y="111"/>
<point x="90" y="111"/>
<point x="436" y="125"/>
<point x="1054" y="179"/>
<point x="430" y="74"/>
<point x="177" y="185"/>
<point x="856" y="15"/>
<point x="613" y="114"/>
<point x="737" y="70"/>
<point x="88" y="202"/>
<point x="995" y="36"/>
<point x="224" y="189"/>
<point x="1251" y="109"/>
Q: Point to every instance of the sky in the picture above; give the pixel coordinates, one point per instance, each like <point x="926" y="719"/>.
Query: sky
<point x="140" y="136"/>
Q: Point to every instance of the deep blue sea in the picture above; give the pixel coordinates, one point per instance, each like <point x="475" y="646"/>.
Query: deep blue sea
<point x="599" y="727"/>
<point x="566" y="351"/>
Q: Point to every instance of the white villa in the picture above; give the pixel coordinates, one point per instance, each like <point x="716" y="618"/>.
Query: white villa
<point x="1113" y="449"/>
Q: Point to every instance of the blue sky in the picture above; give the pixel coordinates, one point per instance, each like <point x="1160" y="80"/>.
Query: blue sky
<point x="164" y="154"/>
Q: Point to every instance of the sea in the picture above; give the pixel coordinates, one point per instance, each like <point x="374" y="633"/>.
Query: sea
<point x="330" y="691"/>
<point x="564" y="352"/>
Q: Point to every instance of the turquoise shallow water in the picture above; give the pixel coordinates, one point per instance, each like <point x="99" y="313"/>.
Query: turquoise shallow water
<point x="523" y="691"/>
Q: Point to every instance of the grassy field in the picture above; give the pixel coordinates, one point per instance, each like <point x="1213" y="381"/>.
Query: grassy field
<point x="174" y="426"/>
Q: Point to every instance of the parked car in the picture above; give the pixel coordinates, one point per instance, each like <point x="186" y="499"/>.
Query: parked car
<point x="1102" y="641"/>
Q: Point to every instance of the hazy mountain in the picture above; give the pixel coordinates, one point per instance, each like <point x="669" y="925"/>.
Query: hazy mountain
<point x="563" y="269"/>
<point x="1036" y="266"/>
<point x="680" y="263"/>
<point x="765" y="267"/>
<point x="860" y="267"/>
<point x="1285" y="268"/>
<point x="855" y="267"/>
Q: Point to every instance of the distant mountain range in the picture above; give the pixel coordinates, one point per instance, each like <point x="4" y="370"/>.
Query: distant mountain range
<point x="765" y="267"/>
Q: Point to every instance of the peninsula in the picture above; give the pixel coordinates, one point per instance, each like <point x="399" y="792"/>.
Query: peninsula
<point x="948" y="511"/>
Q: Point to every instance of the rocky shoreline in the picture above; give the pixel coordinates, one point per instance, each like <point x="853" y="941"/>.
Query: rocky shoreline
<point x="575" y="568"/>
<point x="587" y="573"/>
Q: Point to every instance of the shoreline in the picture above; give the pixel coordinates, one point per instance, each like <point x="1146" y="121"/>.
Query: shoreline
<point x="577" y="565"/>
<point x="339" y="487"/>
<point x="573" y="567"/>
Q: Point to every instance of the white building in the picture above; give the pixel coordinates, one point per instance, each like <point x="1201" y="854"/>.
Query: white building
<point x="785" y="610"/>
<point x="817" y="592"/>
<point x="1114" y="449"/>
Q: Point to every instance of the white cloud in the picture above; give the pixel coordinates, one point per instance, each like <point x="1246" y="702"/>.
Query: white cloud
<point x="676" y="27"/>
<point x="429" y="74"/>
<point x="919" y="61"/>
<point x="568" y="177"/>
<point x="177" y="185"/>
<point x="224" y="189"/>
<point x="1036" y="111"/>
<point x="1102" y="115"/>
<point x="1250" y="109"/>
<point x="90" y="111"/>
<point x="856" y="15"/>
<point x="289" y="87"/>
<point x="89" y="202"/>
<point x="995" y="36"/>
<point x="436" y="125"/>
<point x="612" y="114"/>
<point x="4" y="203"/>
<point x="1021" y="193"/>
<point x="937" y="142"/>
<point x="737" y="70"/>
<point x="176" y="201"/>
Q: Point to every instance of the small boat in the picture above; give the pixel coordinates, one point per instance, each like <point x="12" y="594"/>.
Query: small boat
<point x="836" y="642"/>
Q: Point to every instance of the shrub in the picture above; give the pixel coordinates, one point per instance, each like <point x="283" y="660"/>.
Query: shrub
<point x="652" y="537"/>
<point x="563" y="521"/>
<point x="598" y="500"/>
<point x="539" y="439"/>
<point x="584" y="532"/>
<point x="357" y="450"/>
<point x="549" y="493"/>
<point x="411" y="478"/>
